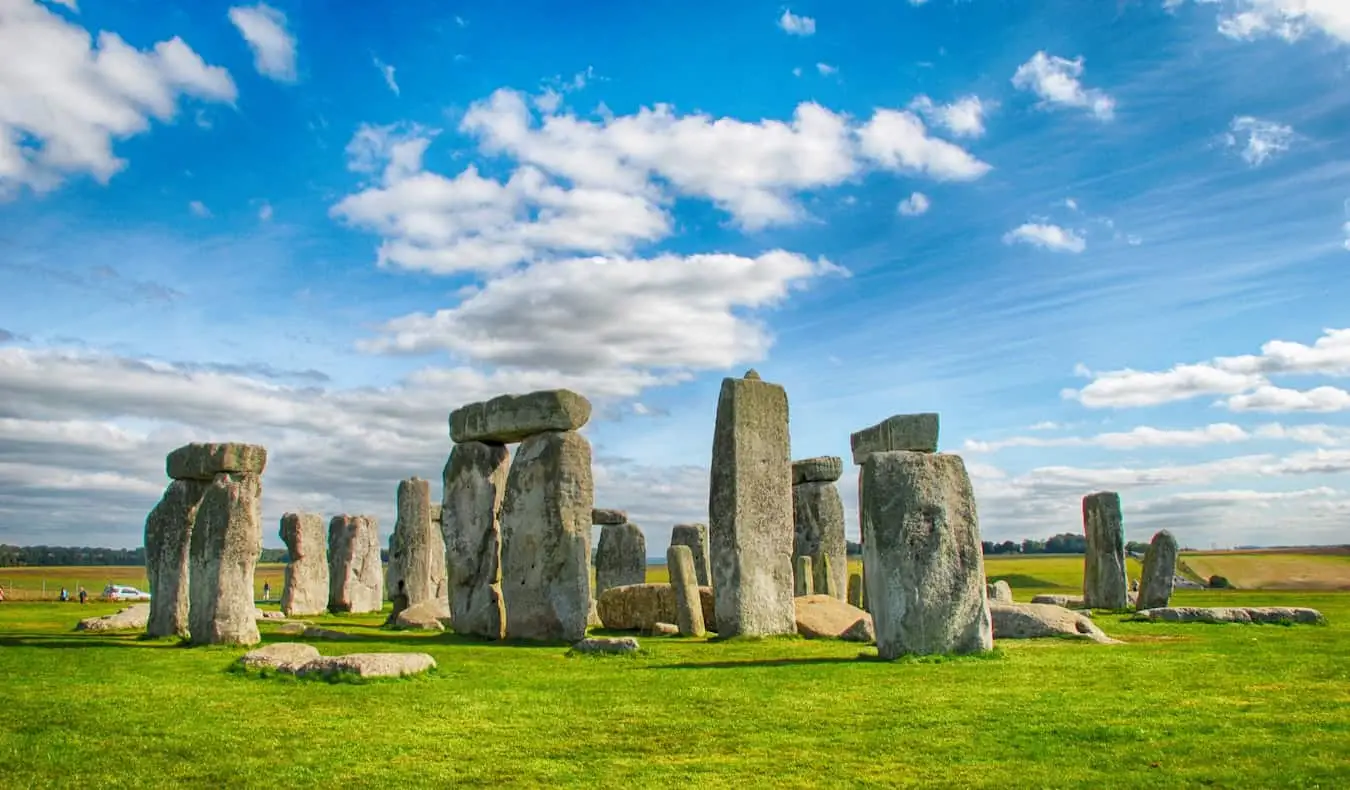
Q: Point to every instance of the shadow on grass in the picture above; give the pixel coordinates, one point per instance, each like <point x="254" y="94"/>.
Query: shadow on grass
<point x="125" y="639"/>
<point x="751" y="663"/>
<point x="1025" y="581"/>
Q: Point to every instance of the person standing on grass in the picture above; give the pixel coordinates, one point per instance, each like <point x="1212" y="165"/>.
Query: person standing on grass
<point x="2" y="594"/>
<point x="83" y="595"/>
<point x="267" y="591"/>
<point x="65" y="595"/>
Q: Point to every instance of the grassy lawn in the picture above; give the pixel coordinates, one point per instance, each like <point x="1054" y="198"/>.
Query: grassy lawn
<point x="1275" y="571"/>
<point x="1177" y="706"/>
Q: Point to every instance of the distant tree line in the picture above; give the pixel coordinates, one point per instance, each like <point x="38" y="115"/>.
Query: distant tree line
<point x="1063" y="543"/>
<point x="38" y="556"/>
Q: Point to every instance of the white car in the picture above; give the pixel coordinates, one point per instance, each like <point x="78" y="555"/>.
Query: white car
<point x="118" y="592"/>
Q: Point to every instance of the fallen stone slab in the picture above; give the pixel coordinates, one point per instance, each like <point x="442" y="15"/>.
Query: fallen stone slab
<point x="1232" y="614"/>
<point x="821" y="469"/>
<point x="606" y="646"/>
<point x="311" y="631"/>
<point x="637" y="607"/>
<point x="512" y="418"/>
<point x="663" y="629"/>
<point x="913" y="432"/>
<point x="600" y="515"/>
<point x="260" y="614"/>
<point x="369" y="665"/>
<point x="128" y="619"/>
<point x="827" y="617"/>
<point x="1035" y="620"/>
<point x="1066" y="601"/>
<point x="424" y="616"/>
<point x="201" y="461"/>
<point x="281" y="656"/>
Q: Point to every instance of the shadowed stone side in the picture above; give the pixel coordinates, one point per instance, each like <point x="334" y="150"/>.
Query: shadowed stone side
<point x="355" y="574"/>
<point x="818" y="532"/>
<point x="416" y="571"/>
<point x="1159" y="574"/>
<point x="168" y="538"/>
<point x="750" y="510"/>
<point x="512" y="418"/>
<point x="826" y="580"/>
<point x="803" y="580"/>
<point x="546" y="536"/>
<point x="620" y="557"/>
<point x="821" y="469"/>
<point x="306" y="581"/>
<point x="203" y="461"/>
<point x="475" y="483"/>
<point x="226" y="543"/>
<point x="695" y="536"/>
<point x="855" y="590"/>
<point x="1104" y="582"/>
<point x="909" y="432"/>
<point x="921" y="549"/>
<point x="684" y="581"/>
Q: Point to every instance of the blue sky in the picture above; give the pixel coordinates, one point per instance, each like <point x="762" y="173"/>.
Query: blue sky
<point x="1106" y="241"/>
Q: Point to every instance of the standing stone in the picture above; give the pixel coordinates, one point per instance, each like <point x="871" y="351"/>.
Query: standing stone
<point x="620" y="557"/>
<point x="855" y="590"/>
<point x="750" y="510"/>
<point x="546" y="536"/>
<point x="475" y="482"/>
<point x="1160" y="568"/>
<point x="306" y="582"/>
<point x="416" y="551"/>
<point x="168" y="536"/>
<point x="922" y="552"/>
<point x="355" y="573"/>
<point x="683" y="579"/>
<point x="999" y="592"/>
<point x="1104" y="583"/>
<point x="803" y="581"/>
<point x="695" y="536"/>
<point x="903" y="432"/>
<point x="226" y="543"/>
<point x="818" y="531"/>
<point x="826" y="580"/>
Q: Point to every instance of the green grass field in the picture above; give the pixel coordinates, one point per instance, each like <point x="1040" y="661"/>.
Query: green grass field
<point x="1176" y="706"/>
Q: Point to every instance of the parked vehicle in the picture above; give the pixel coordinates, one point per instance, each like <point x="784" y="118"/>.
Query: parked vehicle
<point x="119" y="592"/>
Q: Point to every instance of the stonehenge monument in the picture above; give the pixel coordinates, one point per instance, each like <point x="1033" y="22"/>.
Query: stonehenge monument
<point x="226" y="540"/>
<point x="416" y="571"/>
<point x="1104" y="583"/>
<point x="750" y="510"/>
<point x="306" y="582"/>
<point x="1159" y="574"/>
<point x="355" y="573"/>
<point x="688" y="604"/>
<point x="168" y="534"/>
<point x="695" y="536"/>
<point x="620" y="556"/>
<point x="545" y="512"/>
<point x="475" y="484"/>
<point x="921" y="542"/>
<point x="818" y="518"/>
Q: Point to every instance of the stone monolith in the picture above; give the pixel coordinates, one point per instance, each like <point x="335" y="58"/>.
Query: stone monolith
<point x="512" y="418"/>
<point x="1104" y="582"/>
<point x="855" y="590"/>
<point x="684" y="581"/>
<point x="475" y="483"/>
<point x="168" y="538"/>
<point x="416" y="571"/>
<point x="1159" y="574"/>
<point x="803" y="580"/>
<point x="306" y="581"/>
<point x="620" y="557"/>
<point x="695" y="536"/>
<point x="355" y="572"/>
<point x="226" y="543"/>
<point x="818" y="531"/>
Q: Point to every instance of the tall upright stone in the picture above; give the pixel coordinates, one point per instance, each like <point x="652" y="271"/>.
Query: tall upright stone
<point x="226" y="543"/>
<point x="620" y="556"/>
<point x="1104" y="582"/>
<point x="306" y="580"/>
<point x="546" y="536"/>
<point x="355" y="572"/>
<point x="684" y="581"/>
<point x="818" y="518"/>
<point x="855" y="590"/>
<point x="475" y="483"/>
<point x="695" y="536"/>
<point x="416" y="572"/>
<point x="826" y="580"/>
<point x="168" y="537"/>
<point x="922" y="554"/>
<point x="1159" y="574"/>
<point x="803" y="580"/>
<point x="750" y="510"/>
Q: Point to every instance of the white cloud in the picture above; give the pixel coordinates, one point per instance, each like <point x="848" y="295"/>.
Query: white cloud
<point x="796" y="25"/>
<point x="65" y="121"/>
<point x="1258" y="140"/>
<point x="199" y="209"/>
<point x="797" y="71"/>
<point x="897" y="140"/>
<point x="914" y="205"/>
<point x="265" y="211"/>
<point x="1056" y="81"/>
<point x="1287" y="19"/>
<point x="1279" y="399"/>
<point x="387" y="72"/>
<point x="1045" y="236"/>
<point x="826" y="69"/>
<point x="264" y="28"/>
<point x="1133" y="439"/>
<point x="1071" y="204"/>
<point x="963" y="117"/>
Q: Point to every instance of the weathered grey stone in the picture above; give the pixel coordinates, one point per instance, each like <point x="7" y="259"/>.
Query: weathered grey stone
<point x="695" y="536"/>
<point x="999" y="591"/>
<point x="475" y="483"/>
<point x="1104" y="584"/>
<point x="422" y="616"/>
<point x="910" y="432"/>
<point x="226" y="542"/>
<point x="607" y="646"/>
<point x="803" y="580"/>
<point x="663" y="629"/>
<point x="827" y="617"/>
<point x="750" y="510"/>
<point x="637" y="607"/>
<point x="355" y="573"/>
<point x="855" y="590"/>
<point x="1160" y="567"/>
<point x="416" y="570"/>
<point x="546" y="536"/>
<point x="600" y="515"/>
<point x="132" y="618"/>
<point x="921" y="549"/>
<point x="199" y="461"/>
<point x="436" y="513"/>
<point x="168" y="536"/>
<point x="370" y="665"/>
<point x="306" y="581"/>
<point x="512" y="418"/>
<point x="684" y="583"/>
<point x="259" y="614"/>
<point x="826" y="580"/>
<point x="620" y="557"/>
<point x="281" y="656"/>
<point x="821" y="469"/>
<point x="1033" y="621"/>
<point x="1066" y="601"/>
<point x="1232" y="614"/>
<point x="818" y="533"/>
